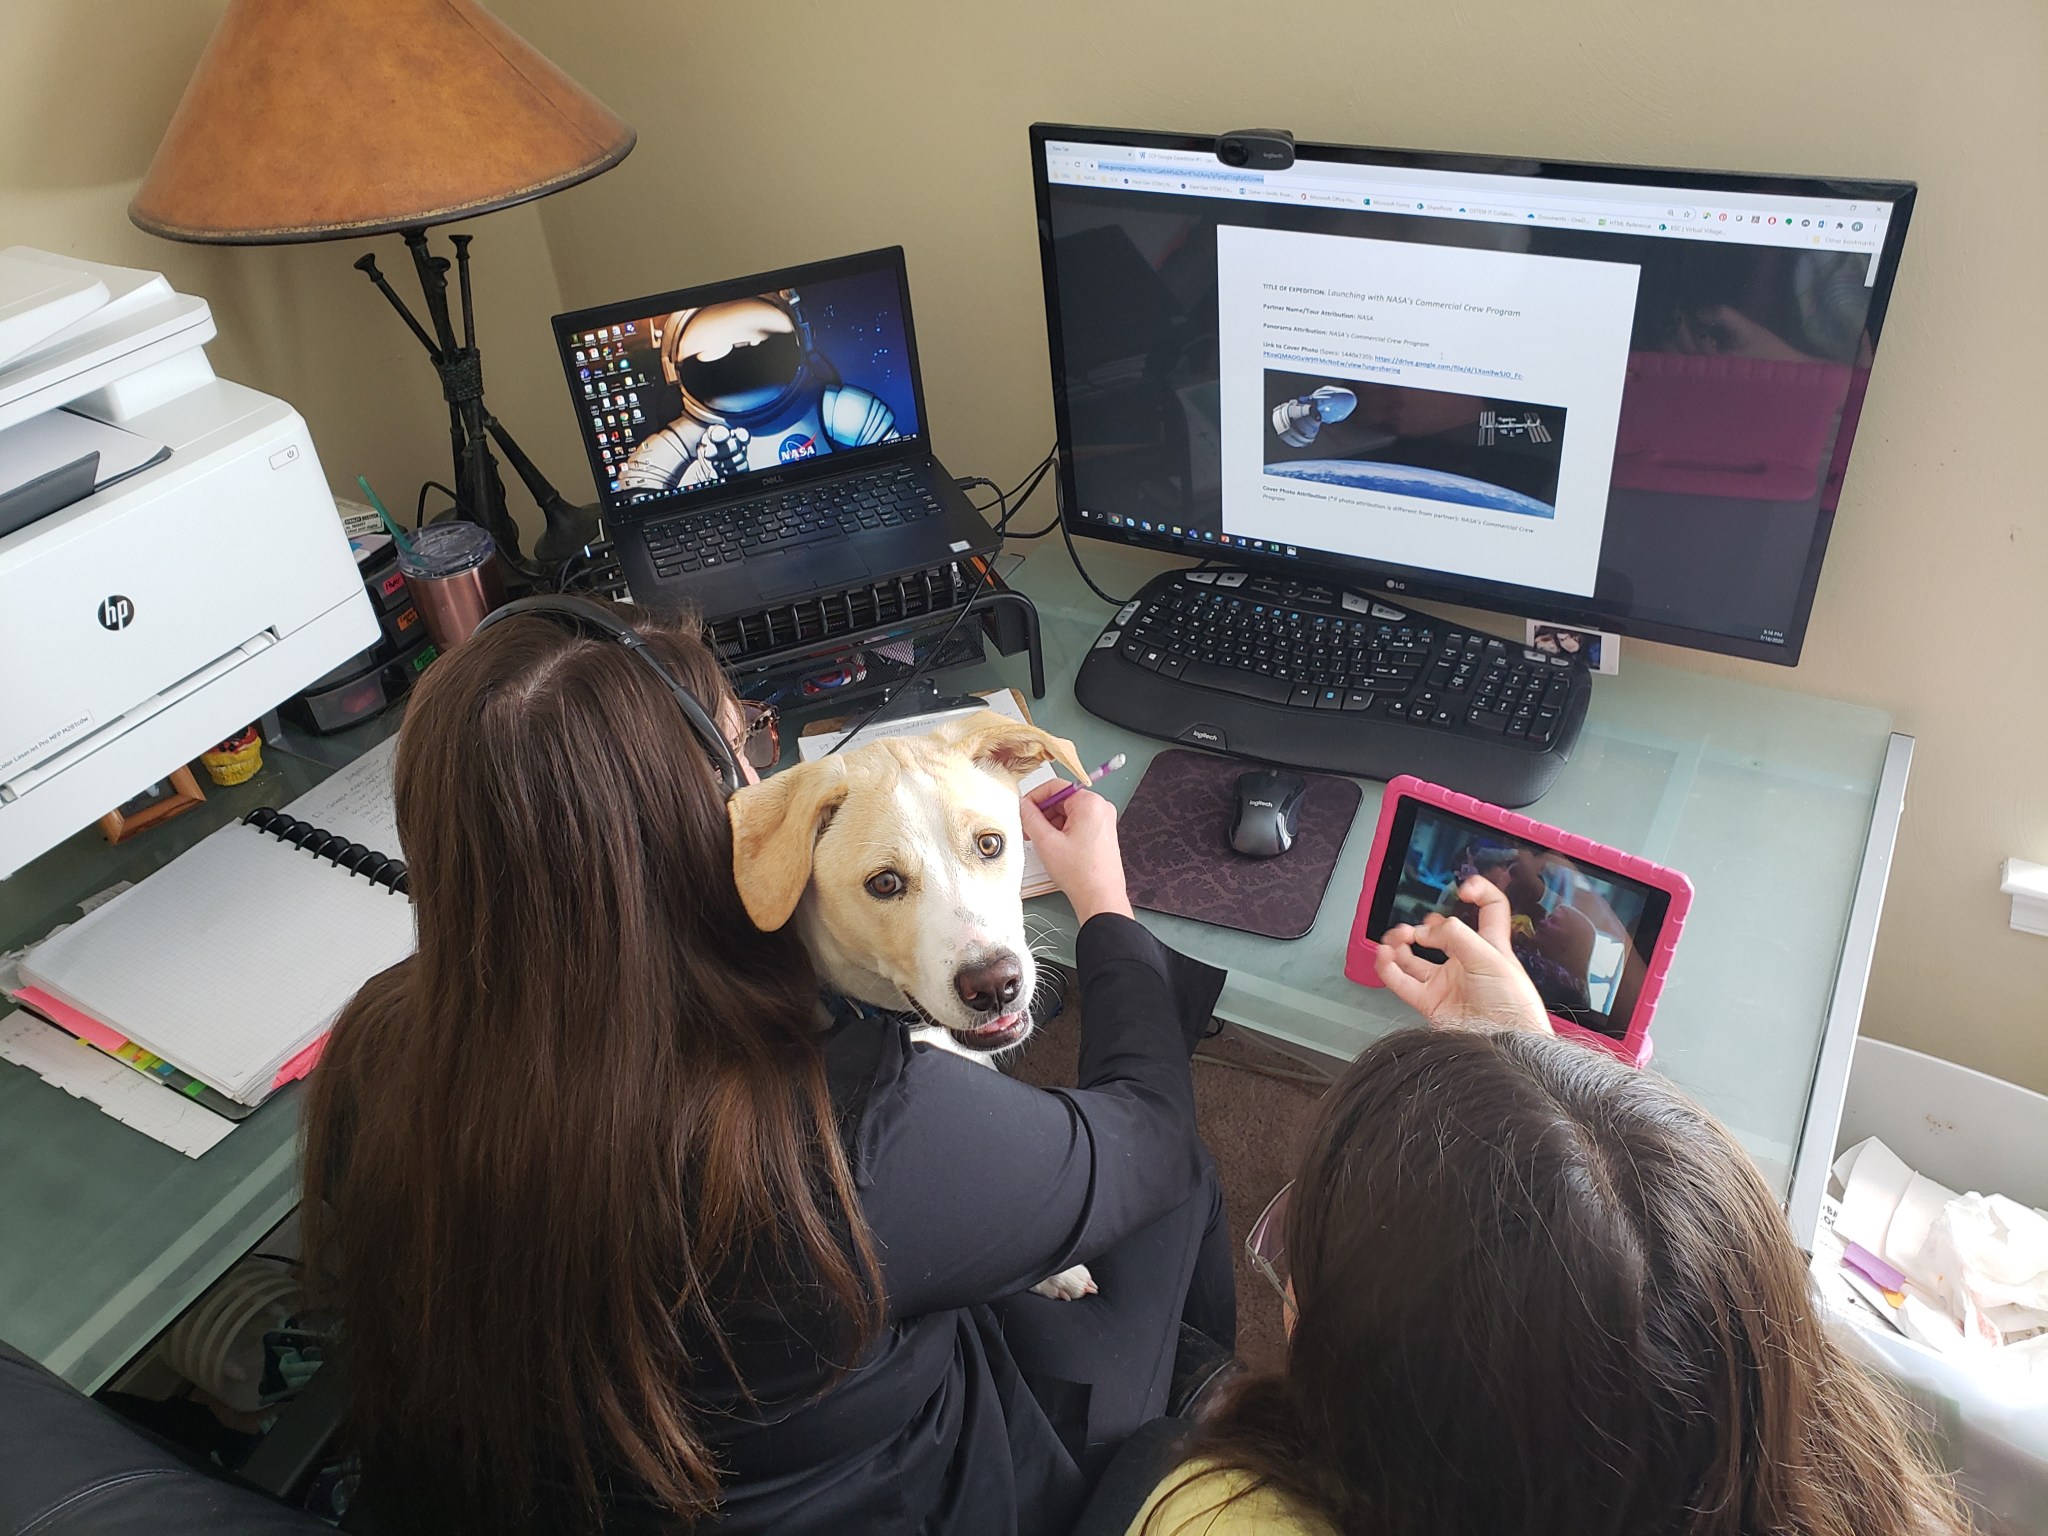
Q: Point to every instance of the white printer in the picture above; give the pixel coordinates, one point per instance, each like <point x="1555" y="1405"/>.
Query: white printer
<point x="199" y="577"/>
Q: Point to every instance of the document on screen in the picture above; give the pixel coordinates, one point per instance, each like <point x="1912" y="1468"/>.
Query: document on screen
<point x="1427" y="405"/>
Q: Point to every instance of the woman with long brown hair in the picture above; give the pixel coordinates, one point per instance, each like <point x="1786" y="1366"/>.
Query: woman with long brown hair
<point x="1535" y="1292"/>
<point x="628" y="1232"/>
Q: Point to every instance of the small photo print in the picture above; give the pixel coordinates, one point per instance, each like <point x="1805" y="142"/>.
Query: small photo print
<point x="1598" y="649"/>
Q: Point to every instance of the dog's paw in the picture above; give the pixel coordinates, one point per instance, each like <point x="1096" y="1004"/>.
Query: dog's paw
<point x="1067" y="1285"/>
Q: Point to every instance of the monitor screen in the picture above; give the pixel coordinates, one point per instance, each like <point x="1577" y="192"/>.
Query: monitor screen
<point x="715" y="386"/>
<point x="1606" y="396"/>
<point x="1583" y="934"/>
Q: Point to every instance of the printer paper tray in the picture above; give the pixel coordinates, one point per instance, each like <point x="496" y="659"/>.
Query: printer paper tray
<point x="21" y="783"/>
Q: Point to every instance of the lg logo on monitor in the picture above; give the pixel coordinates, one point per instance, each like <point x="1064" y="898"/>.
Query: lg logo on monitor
<point x="116" y="612"/>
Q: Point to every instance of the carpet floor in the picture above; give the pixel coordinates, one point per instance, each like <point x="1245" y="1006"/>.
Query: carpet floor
<point x="1252" y="1113"/>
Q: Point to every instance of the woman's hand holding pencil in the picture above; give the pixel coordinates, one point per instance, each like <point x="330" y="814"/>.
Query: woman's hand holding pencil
<point x="1094" y="778"/>
<point x="1075" y="835"/>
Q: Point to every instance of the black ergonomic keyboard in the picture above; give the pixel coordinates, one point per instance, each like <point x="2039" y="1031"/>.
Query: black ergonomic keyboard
<point x="887" y="498"/>
<point x="1297" y="672"/>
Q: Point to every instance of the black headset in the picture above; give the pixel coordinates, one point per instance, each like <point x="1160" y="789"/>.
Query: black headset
<point x="592" y="618"/>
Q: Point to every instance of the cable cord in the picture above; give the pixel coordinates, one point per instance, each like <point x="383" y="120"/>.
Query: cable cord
<point x="1081" y="570"/>
<point x="419" y="510"/>
<point x="1018" y="494"/>
<point x="933" y="653"/>
<point x="1028" y="492"/>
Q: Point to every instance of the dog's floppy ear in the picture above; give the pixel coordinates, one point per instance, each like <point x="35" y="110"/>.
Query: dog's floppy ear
<point x="1010" y="746"/>
<point x="775" y="827"/>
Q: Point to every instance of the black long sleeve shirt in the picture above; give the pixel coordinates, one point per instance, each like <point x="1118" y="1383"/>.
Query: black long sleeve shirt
<point x="974" y="1186"/>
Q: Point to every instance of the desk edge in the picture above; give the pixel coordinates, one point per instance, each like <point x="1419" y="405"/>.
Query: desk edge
<point x="1815" y="1154"/>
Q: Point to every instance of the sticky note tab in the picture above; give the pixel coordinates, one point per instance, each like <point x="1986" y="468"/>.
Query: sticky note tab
<point x="61" y="1013"/>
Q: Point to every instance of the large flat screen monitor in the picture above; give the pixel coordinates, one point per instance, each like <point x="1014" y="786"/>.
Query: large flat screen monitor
<point x="1601" y="395"/>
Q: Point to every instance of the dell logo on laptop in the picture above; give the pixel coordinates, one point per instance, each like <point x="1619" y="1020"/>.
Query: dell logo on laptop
<point x="116" y="612"/>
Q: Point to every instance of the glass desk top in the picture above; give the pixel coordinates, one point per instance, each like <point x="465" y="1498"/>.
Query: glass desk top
<point x="1766" y="799"/>
<point x="1763" y="797"/>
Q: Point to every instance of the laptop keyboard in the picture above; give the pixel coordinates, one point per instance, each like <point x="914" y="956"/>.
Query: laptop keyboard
<point x="887" y="498"/>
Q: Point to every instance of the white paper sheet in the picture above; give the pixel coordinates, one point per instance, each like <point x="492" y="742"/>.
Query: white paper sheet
<point x="116" y="1090"/>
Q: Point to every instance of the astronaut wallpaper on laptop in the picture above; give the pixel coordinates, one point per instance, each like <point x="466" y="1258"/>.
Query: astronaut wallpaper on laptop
<point x="691" y="399"/>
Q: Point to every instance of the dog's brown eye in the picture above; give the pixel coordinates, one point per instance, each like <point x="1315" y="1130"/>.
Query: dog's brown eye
<point x="885" y="884"/>
<point x="989" y="845"/>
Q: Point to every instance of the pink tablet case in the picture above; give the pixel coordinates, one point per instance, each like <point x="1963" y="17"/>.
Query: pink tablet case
<point x="1633" y="1046"/>
<point x="1175" y="836"/>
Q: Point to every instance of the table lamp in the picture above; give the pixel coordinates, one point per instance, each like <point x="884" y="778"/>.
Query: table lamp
<point x="335" y="119"/>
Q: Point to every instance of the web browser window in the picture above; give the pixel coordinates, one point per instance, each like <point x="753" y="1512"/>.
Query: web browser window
<point x="1626" y="402"/>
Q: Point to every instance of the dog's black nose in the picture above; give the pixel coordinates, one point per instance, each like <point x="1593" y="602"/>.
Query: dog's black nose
<point x="990" y="986"/>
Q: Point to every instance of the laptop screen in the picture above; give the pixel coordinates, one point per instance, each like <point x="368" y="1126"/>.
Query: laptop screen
<point x="719" y="386"/>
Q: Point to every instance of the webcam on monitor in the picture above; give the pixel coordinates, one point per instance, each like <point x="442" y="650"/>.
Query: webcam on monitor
<point x="1257" y="149"/>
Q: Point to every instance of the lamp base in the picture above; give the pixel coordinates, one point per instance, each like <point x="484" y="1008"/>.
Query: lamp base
<point x="567" y="533"/>
<point x="479" y="488"/>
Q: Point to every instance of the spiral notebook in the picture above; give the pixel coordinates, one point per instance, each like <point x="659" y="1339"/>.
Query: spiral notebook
<point x="232" y="961"/>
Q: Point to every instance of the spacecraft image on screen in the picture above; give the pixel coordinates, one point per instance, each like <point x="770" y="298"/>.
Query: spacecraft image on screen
<point x="1472" y="450"/>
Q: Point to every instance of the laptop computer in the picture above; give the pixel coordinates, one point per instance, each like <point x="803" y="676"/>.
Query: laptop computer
<point x="763" y="440"/>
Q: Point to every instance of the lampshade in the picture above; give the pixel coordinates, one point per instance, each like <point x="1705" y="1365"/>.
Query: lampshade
<point x="318" y="119"/>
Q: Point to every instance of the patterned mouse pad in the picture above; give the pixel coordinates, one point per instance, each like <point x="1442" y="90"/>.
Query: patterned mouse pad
<point x="1178" y="859"/>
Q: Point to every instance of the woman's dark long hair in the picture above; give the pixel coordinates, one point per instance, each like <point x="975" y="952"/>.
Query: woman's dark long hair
<point x="546" y="1156"/>
<point x="1538" y="1291"/>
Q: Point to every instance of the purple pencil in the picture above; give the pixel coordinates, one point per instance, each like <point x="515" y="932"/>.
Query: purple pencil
<point x="1094" y="778"/>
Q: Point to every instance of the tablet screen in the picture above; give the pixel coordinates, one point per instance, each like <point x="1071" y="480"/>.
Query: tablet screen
<point x="1583" y="933"/>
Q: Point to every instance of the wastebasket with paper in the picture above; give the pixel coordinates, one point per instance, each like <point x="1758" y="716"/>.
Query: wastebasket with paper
<point x="1933" y="1258"/>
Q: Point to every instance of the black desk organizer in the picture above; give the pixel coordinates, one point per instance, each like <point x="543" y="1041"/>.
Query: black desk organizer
<point x="770" y="650"/>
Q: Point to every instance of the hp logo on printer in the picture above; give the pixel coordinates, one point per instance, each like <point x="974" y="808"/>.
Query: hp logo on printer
<point x="116" y="612"/>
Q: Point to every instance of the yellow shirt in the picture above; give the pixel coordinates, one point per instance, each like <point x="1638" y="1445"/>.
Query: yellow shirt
<point x="1191" y="1501"/>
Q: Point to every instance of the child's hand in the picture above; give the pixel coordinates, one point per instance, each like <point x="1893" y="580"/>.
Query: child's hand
<point x="1479" y="981"/>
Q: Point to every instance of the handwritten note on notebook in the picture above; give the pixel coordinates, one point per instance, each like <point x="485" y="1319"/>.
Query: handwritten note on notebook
<point x="355" y="802"/>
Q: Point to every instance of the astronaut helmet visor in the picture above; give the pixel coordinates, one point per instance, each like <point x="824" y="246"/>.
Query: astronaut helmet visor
<point x="738" y="358"/>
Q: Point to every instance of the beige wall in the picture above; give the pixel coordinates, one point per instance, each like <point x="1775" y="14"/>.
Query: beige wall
<point x="86" y="87"/>
<point x="776" y="133"/>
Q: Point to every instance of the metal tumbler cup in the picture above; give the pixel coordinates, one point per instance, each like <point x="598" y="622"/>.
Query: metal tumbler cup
<point x="453" y="575"/>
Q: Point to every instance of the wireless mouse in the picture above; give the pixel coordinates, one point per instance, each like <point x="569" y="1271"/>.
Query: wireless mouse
<point x="1268" y="811"/>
